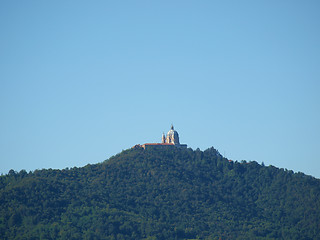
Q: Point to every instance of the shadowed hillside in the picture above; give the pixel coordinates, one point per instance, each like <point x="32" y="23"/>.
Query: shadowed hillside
<point x="160" y="194"/>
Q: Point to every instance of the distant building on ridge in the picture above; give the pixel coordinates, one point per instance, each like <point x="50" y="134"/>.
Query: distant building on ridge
<point x="171" y="140"/>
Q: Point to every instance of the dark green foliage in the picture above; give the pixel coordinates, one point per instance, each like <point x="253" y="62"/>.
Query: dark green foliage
<point x="160" y="194"/>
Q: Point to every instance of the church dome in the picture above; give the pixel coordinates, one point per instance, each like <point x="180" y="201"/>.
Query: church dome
<point x="172" y="136"/>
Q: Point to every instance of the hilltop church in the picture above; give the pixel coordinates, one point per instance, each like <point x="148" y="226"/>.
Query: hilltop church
<point x="171" y="140"/>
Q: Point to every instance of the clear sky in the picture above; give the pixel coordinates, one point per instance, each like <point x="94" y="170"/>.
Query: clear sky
<point x="81" y="81"/>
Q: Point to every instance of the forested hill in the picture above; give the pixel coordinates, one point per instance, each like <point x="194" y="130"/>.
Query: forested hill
<point x="161" y="194"/>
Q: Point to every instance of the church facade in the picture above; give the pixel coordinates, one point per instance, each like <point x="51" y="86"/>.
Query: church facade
<point x="172" y="137"/>
<point x="169" y="140"/>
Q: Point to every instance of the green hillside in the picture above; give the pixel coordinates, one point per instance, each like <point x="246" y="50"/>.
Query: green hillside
<point x="161" y="194"/>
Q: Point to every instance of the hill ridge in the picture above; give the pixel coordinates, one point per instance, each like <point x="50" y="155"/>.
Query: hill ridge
<point x="161" y="194"/>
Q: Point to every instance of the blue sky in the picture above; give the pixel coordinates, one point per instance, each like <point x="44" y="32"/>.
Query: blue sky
<point x="82" y="80"/>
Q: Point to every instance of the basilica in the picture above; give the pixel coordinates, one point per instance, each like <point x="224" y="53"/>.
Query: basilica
<point x="169" y="140"/>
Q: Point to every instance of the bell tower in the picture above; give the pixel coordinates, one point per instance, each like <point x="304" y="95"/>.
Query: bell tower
<point x="163" y="139"/>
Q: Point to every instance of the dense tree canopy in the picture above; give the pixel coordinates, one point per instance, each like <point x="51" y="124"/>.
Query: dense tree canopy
<point x="161" y="194"/>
